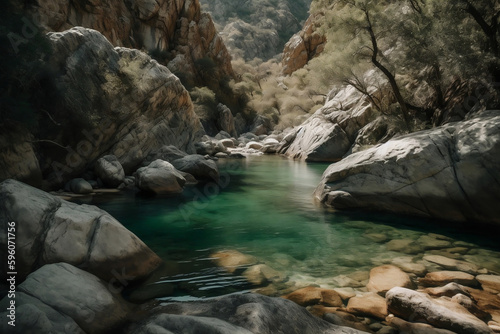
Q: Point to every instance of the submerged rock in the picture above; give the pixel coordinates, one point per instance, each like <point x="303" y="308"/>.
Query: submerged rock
<point x="439" y="278"/>
<point x="51" y="230"/>
<point x="386" y="277"/>
<point x="79" y="186"/>
<point x="447" y="173"/>
<point x="159" y="177"/>
<point x="313" y="295"/>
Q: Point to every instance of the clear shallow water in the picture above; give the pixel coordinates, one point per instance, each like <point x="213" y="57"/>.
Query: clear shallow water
<point x="265" y="208"/>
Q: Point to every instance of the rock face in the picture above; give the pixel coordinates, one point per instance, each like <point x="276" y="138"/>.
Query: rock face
<point x="409" y="304"/>
<point x="159" y="177"/>
<point x="177" y="31"/>
<point x="450" y="172"/>
<point x="60" y="298"/>
<point x="131" y="106"/>
<point x="50" y="230"/>
<point x="257" y="28"/>
<point x="247" y="313"/>
<point x="331" y="131"/>
<point x="303" y="46"/>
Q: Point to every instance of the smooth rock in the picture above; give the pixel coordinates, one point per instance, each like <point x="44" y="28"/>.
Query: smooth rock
<point x="490" y="283"/>
<point x="370" y="304"/>
<point x="79" y="186"/>
<point x="414" y="328"/>
<point x="429" y="242"/>
<point x="232" y="260"/>
<point x="159" y="177"/>
<point x="439" y="278"/>
<point x="313" y="295"/>
<point x="386" y="277"/>
<point x="419" y="307"/>
<point x="72" y="292"/>
<point x="261" y="273"/>
<point x="406" y="264"/>
<point x="51" y="230"/>
<point x="406" y="246"/>
<point x="446" y="173"/>
<point x="110" y="171"/>
<point x="452" y="264"/>
<point x="255" y="313"/>
<point x="196" y="165"/>
<point x="345" y="319"/>
<point x="449" y="290"/>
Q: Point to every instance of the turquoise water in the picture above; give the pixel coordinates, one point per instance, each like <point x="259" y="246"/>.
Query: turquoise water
<point x="264" y="207"/>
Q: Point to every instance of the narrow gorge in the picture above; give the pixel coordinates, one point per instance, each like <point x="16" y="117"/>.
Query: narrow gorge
<point x="274" y="166"/>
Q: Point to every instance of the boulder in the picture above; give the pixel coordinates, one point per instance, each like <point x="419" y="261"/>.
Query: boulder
<point x="407" y="265"/>
<point x="79" y="186"/>
<point x="255" y="145"/>
<point x="329" y="133"/>
<point x="261" y="273"/>
<point x="232" y="260"/>
<point x="196" y="165"/>
<point x="490" y="283"/>
<point x="386" y="277"/>
<point x="446" y="173"/>
<point x="68" y="299"/>
<point x="406" y="246"/>
<point x="449" y="290"/>
<point x="50" y="230"/>
<point x="439" y="278"/>
<point x="313" y="295"/>
<point x="252" y="312"/>
<point x="419" y="307"/>
<point x="227" y="142"/>
<point x="159" y="177"/>
<point x="452" y="264"/>
<point x="415" y="328"/>
<point x="110" y="171"/>
<point x="370" y="304"/>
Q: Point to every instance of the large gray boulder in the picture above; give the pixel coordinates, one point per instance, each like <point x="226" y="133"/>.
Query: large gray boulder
<point x="331" y="131"/>
<point x="196" y="165"/>
<point x="51" y="230"/>
<point x="60" y="298"/>
<point x="121" y="101"/>
<point x="451" y="172"/>
<point x="110" y="171"/>
<point x="442" y="313"/>
<point x="159" y="177"/>
<point x="245" y="313"/>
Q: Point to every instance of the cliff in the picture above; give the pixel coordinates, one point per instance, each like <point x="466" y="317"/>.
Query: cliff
<point x="175" y="32"/>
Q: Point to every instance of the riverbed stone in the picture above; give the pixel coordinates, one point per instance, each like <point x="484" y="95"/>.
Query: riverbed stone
<point x="233" y="260"/>
<point x="110" y="171"/>
<point x="159" y="177"/>
<point x="261" y="273"/>
<point x="486" y="301"/>
<point x="406" y="246"/>
<point x="370" y="304"/>
<point x="452" y="264"/>
<point x="441" y="313"/>
<point x="449" y="290"/>
<point x="414" y="328"/>
<point x="386" y="277"/>
<point x="490" y="283"/>
<point x="342" y="318"/>
<point x="431" y="242"/>
<point x="440" y="278"/>
<point x="406" y="264"/>
<point x="314" y="295"/>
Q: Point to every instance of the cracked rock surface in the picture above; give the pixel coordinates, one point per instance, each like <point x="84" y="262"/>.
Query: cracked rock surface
<point x="451" y="172"/>
<point x="51" y="230"/>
